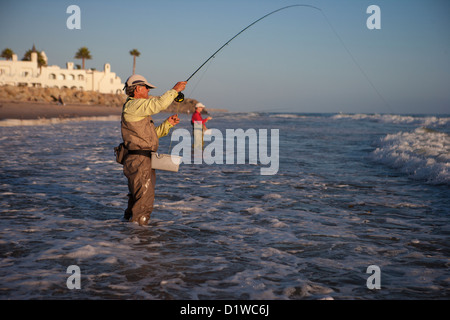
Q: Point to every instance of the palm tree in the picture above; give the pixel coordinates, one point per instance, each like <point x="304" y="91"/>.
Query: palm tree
<point x="135" y="53"/>
<point x="83" y="54"/>
<point x="7" y="54"/>
<point x="41" y="60"/>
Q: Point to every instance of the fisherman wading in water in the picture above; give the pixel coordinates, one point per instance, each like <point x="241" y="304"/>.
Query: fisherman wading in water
<point x="199" y="125"/>
<point x="140" y="138"/>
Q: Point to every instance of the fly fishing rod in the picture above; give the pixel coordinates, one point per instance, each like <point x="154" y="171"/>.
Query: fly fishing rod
<point x="180" y="96"/>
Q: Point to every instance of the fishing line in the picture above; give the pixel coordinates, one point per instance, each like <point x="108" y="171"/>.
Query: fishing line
<point x="180" y="96"/>
<point x="201" y="77"/>
<point x="356" y="62"/>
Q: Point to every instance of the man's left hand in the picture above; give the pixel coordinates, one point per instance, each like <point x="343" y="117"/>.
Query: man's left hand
<point x="174" y="120"/>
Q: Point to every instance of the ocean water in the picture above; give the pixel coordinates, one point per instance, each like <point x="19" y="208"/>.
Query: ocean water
<point x="352" y="190"/>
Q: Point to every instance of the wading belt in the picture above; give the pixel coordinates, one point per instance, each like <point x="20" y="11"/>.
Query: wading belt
<point x="146" y="153"/>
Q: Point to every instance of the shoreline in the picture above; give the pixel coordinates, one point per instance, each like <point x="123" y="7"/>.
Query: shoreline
<point x="31" y="110"/>
<point x="43" y="110"/>
<point x="29" y="103"/>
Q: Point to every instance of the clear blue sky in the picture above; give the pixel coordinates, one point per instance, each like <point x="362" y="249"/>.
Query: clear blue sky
<point x="291" y="61"/>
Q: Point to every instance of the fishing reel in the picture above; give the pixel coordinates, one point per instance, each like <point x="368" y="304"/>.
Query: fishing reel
<point x="180" y="97"/>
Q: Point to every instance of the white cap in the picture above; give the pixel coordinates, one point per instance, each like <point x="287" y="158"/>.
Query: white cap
<point x="199" y="105"/>
<point x="137" y="79"/>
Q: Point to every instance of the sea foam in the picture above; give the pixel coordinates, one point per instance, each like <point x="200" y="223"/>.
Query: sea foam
<point x="393" y="118"/>
<point x="423" y="154"/>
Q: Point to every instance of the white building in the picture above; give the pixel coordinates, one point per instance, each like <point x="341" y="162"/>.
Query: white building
<point x="27" y="73"/>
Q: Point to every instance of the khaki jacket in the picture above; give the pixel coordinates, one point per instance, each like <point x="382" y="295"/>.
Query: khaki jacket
<point x="138" y="129"/>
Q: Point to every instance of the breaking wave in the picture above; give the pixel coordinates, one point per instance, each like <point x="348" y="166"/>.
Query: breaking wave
<point x="392" y="118"/>
<point x="424" y="154"/>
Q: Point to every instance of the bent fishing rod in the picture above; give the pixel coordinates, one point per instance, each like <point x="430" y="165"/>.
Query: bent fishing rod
<point x="180" y="96"/>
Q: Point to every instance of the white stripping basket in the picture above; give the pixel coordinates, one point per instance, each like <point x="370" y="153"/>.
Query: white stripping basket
<point x="165" y="162"/>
